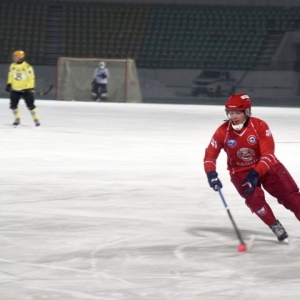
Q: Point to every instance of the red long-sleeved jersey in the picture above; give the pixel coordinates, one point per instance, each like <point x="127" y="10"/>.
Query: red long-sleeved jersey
<point x="250" y="148"/>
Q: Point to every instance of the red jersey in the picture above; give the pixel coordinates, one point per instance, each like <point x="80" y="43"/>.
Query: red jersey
<point x="250" y="148"/>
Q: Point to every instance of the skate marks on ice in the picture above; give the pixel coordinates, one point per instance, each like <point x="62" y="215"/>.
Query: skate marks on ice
<point x="126" y="271"/>
<point x="223" y="242"/>
<point x="81" y="259"/>
<point x="251" y="237"/>
<point x="116" y="270"/>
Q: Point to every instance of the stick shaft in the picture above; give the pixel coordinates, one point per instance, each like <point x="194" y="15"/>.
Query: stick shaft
<point x="237" y="231"/>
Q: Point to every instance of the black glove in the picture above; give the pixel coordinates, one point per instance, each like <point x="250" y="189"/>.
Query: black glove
<point x="8" y="87"/>
<point x="93" y="82"/>
<point x="250" y="182"/>
<point x="103" y="76"/>
<point x="214" y="181"/>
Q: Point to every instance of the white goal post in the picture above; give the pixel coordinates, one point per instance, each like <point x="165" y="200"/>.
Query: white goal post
<point x="75" y="75"/>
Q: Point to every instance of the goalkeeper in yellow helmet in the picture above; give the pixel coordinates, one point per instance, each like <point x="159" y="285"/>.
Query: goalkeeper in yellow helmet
<point x="21" y="84"/>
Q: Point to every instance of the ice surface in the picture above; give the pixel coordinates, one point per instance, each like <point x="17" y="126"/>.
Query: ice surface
<point x="110" y="202"/>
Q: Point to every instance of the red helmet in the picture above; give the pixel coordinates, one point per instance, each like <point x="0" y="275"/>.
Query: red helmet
<point x="239" y="102"/>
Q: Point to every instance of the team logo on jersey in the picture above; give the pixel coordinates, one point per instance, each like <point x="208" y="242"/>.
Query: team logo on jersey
<point x="231" y="143"/>
<point x="246" y="154"/>
<point x="252" y="140"/>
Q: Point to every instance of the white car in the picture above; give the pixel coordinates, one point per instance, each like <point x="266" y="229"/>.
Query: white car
<point x="214" y="83"/>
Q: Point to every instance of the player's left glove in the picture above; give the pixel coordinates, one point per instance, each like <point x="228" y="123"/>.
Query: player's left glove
<point x="250" y="182"/>
<point x="8" y="87"/>
<point x="213" y="180"/>
<point x="103" y="76"/>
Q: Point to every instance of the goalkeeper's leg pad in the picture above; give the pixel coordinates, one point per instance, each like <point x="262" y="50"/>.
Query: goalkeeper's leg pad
<point x="94" y="96"/>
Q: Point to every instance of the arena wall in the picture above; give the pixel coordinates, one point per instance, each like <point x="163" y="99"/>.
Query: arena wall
<point x="281" y="88"/>
<point x="200" y="2"/>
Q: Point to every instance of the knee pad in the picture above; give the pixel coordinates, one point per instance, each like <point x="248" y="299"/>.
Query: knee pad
<point x="31" y="106"/>
<point x="256" y="201"/>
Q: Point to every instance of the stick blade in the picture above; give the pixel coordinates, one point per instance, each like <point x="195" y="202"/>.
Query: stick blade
<point x="46" y="92"/>
<point x="251" y="242"/>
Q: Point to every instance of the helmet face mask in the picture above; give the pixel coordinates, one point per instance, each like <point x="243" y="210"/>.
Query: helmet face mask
<point x="247" y="111"/>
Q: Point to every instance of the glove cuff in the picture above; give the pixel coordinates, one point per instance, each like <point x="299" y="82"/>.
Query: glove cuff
<point x="253" y="173"/>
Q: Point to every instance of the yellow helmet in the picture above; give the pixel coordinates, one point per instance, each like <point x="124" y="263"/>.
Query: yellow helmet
<point x="19" y="54"/>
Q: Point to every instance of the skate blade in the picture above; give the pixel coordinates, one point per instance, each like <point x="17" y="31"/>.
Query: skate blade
<point x="286" y="241"/>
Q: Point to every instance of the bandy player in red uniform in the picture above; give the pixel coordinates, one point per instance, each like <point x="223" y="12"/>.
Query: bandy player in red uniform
<point x="252" y="164"/>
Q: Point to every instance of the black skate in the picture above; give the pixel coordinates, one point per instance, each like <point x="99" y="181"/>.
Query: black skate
<point x="16" y="122"/>
<point x="37" y="123"/>
<point x="279" y="231"/>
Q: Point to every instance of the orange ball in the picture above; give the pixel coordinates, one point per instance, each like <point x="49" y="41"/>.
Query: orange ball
<point x="242" y="248"/>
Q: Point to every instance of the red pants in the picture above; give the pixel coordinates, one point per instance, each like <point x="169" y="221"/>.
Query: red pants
<point x="278" y="183"/>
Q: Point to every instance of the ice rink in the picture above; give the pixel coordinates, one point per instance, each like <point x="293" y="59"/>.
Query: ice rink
<point x="110" y="202"/>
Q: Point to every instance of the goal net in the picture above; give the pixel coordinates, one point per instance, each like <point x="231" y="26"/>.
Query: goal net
<point x="75" y="75"/>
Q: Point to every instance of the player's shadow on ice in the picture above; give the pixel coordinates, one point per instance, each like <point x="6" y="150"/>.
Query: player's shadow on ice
<point x="229" y="232"/>
<point x="20" y="126"/>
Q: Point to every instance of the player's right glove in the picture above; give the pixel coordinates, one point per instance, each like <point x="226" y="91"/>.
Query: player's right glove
<point x="250" y="182"/>
<point x="214" y="181"/>
<point x="93" y="82"/>
<point x="8" y="87"/>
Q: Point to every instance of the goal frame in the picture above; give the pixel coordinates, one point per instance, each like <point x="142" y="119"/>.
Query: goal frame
<point x="126" y="60"/>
